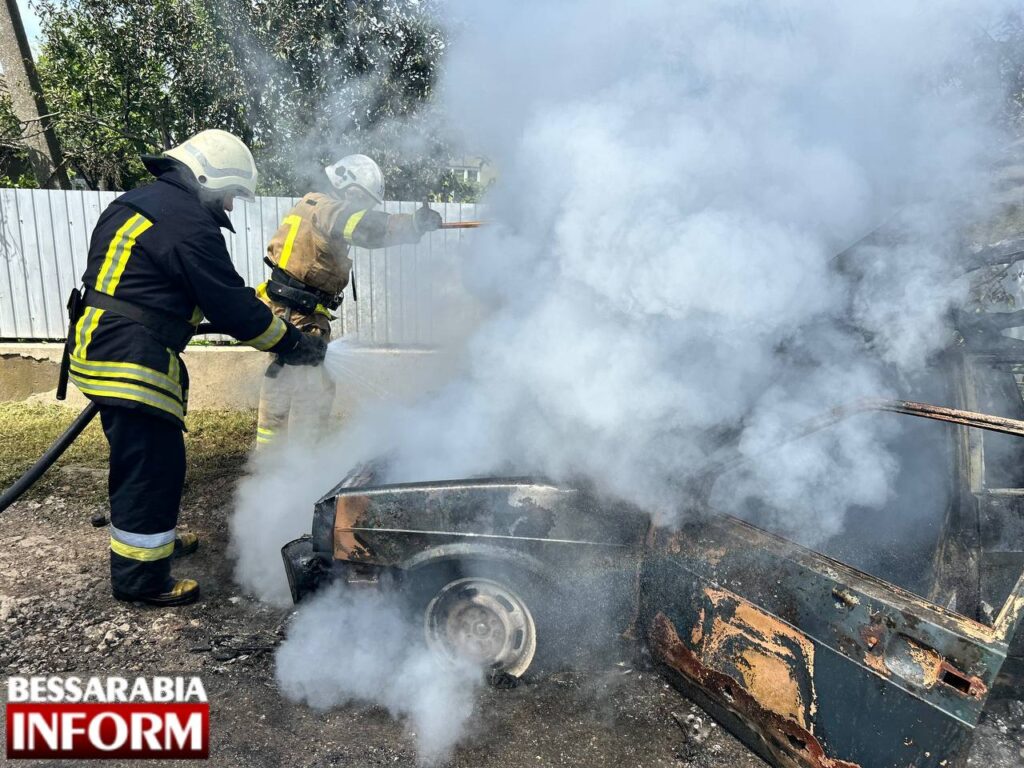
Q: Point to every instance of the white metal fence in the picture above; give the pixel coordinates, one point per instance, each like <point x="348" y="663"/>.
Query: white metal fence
<point x="402" y="291"/>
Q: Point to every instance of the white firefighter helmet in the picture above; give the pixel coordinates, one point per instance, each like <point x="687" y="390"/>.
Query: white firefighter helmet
<point x="357" y="171"/>
<point x="220" y="162"/>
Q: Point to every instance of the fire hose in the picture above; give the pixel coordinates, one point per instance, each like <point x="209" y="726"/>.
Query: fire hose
<point x="61" y="444"/>
<point x="33" y="473"/>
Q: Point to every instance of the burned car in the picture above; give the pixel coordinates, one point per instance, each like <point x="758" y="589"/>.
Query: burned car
<point x="806" y="655"/>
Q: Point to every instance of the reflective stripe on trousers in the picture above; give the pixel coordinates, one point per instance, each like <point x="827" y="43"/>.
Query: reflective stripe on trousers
<point x="144" y="547"/>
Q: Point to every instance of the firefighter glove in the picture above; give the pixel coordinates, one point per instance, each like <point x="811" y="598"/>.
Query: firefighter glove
<point x="427" y="219"/>
<point x="308" y="350"/>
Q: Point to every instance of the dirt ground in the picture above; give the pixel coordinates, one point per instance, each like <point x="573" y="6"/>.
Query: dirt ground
<point x="57" y="617"/>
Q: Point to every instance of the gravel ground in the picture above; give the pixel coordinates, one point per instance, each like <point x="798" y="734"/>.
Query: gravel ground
<point x="57" y="617"/>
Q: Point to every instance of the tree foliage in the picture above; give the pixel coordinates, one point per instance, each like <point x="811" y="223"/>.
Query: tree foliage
<point x="15" y="170"/>
<point x="301" y="81"/>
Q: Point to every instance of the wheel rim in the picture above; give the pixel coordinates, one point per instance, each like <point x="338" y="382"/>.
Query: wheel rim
<point x="482" y="621"/>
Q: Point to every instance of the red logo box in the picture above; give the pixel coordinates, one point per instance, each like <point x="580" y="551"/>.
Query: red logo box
<point x="106" y="731"/>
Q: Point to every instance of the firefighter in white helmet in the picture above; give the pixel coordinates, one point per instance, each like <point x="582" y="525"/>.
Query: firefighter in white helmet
<point x="157" y="264"/>
<point x="309" y="256"/>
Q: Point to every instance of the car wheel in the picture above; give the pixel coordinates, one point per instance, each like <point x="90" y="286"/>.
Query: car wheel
<point x="490" y="620"/>
<point x="483" y="621"/>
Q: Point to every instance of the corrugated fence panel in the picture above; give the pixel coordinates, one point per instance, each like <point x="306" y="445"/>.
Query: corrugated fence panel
<point x="38" y="239"/>
<point x="404" y="292"/>
<point x="39" y="255"/>
<point x="13" y="313"/>
<point x="396" y="287"/>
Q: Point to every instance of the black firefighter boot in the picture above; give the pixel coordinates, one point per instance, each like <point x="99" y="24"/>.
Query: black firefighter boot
<point x="176" y="592"/>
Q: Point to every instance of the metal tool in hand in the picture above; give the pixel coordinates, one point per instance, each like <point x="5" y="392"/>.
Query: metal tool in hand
<point x="462" y="224"/>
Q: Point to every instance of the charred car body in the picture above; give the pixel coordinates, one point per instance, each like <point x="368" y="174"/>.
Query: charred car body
<point x="812" y="661"/>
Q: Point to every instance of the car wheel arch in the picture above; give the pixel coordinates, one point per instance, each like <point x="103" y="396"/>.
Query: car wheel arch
<point x="456" y="554"/>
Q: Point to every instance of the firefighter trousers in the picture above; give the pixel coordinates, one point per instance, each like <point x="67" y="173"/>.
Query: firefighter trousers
<point x="295" y="401"/>
<point x="147" y="473"/>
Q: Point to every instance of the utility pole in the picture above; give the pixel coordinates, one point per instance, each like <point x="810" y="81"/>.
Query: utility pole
<point x="27" y="100"/>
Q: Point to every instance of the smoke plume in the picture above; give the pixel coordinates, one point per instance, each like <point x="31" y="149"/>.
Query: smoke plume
<point x="675" y="183"/>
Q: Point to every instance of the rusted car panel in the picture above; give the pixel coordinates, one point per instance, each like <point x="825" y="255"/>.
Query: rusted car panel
<point x="814" y="663"/>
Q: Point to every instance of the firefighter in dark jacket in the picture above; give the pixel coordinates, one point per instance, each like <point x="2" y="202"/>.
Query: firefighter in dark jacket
<point x="311" y="264"/>
<point x="157" y="265"/>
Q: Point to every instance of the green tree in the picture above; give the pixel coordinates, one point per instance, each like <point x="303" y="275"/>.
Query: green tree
<point x="329" y="78"/>
<point x="301" y="81"/>
<point x="15" y="169"/>
<point x="126" y="77"/>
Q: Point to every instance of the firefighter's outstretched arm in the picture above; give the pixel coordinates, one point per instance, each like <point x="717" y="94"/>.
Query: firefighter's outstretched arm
<point x="222" y="296"/>
<point x="365" y="228"/>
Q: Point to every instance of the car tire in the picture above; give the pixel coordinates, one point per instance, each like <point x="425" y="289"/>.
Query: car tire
<point x="490" y="613"/>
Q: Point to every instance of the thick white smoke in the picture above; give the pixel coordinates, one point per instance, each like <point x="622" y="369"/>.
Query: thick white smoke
<point x="675" y="181"/>
<point x="676" y="177"/>
<point x="352" y="646"/>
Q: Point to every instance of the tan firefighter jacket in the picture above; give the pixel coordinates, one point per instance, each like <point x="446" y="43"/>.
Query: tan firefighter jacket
<point x="312" y="242"/>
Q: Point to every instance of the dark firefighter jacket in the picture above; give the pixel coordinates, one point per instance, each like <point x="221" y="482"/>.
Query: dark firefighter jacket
<point x="161" y="248"/>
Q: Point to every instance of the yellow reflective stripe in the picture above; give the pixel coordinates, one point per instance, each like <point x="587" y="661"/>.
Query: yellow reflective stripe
<point x="174" y="368"/>
<point x="106" y="368"/>
<point x="351" y="224"/>
<point x="115" y="243"/>
<point x="145" y="554"/>
<point x="86" y="327"/>
<point x="292" y="222"/>
<point x="274" y="333"/>
<point x="197" y="316"/>
<point x="119" y="251"/>
<point x="261" y="292"/>
<point x="126" y="253"/>
<point x="91" y="329"/>
<point x="174" y="371"/>
<point x="123" y="390"/>
<point x="80" y="328"/>
<point x="116" y="376"/>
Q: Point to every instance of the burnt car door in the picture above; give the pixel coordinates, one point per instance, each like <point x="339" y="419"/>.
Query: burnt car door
<point x="812" y="661"/>
<point x="982" y="553"/>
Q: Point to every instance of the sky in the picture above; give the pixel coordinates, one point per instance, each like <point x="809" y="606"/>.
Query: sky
<point x="31" y="22"/>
